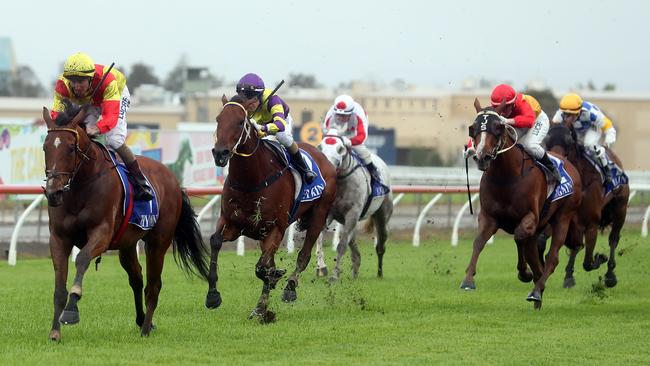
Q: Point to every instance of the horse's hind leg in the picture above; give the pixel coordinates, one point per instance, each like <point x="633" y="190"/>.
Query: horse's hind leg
<point x="265" y="270"/>
<point x="60" y="254"/>
<point x="156" y="249"/>
<point x="569" y="280"/>
<point x="346" y="234"/>
<point x="614" y="237"/>
<point x="315" y="227"/>
<point x="130" y="263"/>
<point x="487" y="226"/>
<point x="592" y="260"/>
<point x="381" y="226"/>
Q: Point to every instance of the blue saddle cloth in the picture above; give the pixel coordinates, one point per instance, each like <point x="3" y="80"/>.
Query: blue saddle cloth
<point x="617" y="174"/>
<point x="377" y="187"/>
<point x="307" y="192"/>
<point x="619" y="178"/>
<point x="565" y="187"/>
<point x="145" y="213"/>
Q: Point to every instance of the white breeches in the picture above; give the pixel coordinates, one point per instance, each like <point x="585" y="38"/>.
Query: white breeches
<point x="363" y="153"/>
<point x="532" y="137"/>
<point x="117" y="135"/>
<point x="285" y="138"/>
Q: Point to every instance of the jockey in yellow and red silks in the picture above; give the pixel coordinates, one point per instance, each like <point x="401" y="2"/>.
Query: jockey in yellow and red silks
<point x="524" y="113"/>
<point x="107" y="112"/>
<point x="271" y="114"/>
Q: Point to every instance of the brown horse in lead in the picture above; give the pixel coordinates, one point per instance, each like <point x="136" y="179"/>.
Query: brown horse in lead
<point x="85" y="210"/>
<point x="513" y="195"/>
<point x="597" y="210"/>
<point x="258" y="195"/>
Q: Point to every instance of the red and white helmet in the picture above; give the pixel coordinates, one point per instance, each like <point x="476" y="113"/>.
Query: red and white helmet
<point x="503" y="93"/>
<point x="343" y="104"/>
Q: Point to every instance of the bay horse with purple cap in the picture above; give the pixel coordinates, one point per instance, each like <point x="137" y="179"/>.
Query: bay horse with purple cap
<point x="513" y="197"/>
<point x="258" y="196"/>
<point x="85" y="210"/>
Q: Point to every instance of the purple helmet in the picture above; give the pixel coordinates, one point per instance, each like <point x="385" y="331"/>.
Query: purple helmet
<point x="250" y="86"/>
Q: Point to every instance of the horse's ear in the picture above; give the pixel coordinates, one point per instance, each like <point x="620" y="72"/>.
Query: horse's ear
<point x="477" y="105"/>
<point x="81" y="115"/>
<point x="224" y="99"/>
<point x="47" y="118"/>
<point x="501" y="106"/>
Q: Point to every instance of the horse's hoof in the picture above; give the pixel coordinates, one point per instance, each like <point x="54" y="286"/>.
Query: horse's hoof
<point x="610" y="280"/>
<point x="265" y="316"/>
<point x="55" y="336"/>
<point x="536" y="297"/>
<point x="289" y="295"/>
<point x="525" y="277"/>
<point x="69" y="317"/>
<point x="380" y="274"/>
<point x="321" y="272"/>
<point x="268" y="317"/>
<point x="569" y="282"/>
<point x="213" y="299"/>
<point x="601" y="258"/>
<point x="468" y="285"/>
<point x="145" y="331"/>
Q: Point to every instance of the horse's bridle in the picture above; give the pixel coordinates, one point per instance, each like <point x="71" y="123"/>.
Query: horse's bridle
<point x="500" y="140"/>
<point x="347" y="157"/>
<point x="248" y="126"/>
<point x="80" y="157"/>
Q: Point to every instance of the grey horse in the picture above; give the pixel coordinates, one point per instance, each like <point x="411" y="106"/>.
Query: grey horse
<point x="353" y="190"/>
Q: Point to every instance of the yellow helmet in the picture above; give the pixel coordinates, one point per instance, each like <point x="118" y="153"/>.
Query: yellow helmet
<point x="571" y="103"/>
<point x="79" y="64"/>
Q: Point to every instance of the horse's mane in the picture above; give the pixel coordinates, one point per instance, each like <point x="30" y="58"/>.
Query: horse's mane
<point x="237" y="99"/>
<point x="69" y="112"/>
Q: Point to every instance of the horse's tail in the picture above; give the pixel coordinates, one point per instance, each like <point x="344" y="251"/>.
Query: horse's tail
<point x="607" y="215"/>
<point x="189" y="250"/>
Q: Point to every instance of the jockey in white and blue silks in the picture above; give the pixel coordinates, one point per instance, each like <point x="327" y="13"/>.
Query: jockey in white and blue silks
<point x="589" y="123"/>
<point x="271" y="116"/>
<point x="351" y="121"/>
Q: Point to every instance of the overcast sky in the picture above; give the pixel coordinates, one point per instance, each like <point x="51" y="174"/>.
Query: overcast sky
<point x="429" y="43"/>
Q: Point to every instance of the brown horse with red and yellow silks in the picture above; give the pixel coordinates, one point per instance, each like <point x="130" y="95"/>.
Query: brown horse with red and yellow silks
<point x="513" y="195"/>
<point x="85" y="198"/>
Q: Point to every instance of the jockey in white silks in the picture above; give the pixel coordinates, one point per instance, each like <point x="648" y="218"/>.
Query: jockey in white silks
<point x="351" y="121"/>
<point x="590" y="123"/>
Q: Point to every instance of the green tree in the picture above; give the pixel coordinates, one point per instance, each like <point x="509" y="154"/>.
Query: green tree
<point x="141" y="74"/>
<point x="546" y="99"/>
<point x="301" y="80"/>
<point x="25" y="83"/>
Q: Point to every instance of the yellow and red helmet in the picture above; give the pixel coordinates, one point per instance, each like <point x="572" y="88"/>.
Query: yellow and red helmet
<point x="79" y="64"/>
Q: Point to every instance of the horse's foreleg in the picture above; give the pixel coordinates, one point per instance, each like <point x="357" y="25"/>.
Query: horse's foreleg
<point x="321" y="266"/>
<point x="569" y="280"/>
<point x="98" y="241"/>
<point x="213" y="298"/>
<point x="487" y="226"/>
<point x="60" y="254"/>
<point x="129" y="261"/>
<point x="346" y="234"/>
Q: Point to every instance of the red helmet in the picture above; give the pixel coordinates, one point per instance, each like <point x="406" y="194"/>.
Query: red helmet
<point x="503" y="93"/>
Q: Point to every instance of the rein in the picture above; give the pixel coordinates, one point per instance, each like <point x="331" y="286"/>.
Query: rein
<point x="82" y="155"/>
<point x="247" y="130"/>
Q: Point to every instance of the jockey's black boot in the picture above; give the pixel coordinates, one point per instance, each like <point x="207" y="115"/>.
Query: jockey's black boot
<point x="607" y="174"/>
<point x="142" y="191"/>
<point x="546" y="161"/>
<point x="307" y="174"/>
<point x="373" y="172"/>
